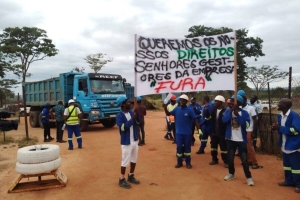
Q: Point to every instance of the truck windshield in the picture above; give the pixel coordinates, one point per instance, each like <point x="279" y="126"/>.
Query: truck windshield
<point x="105" y="86"/>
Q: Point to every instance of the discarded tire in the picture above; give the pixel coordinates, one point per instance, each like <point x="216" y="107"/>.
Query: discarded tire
<point x="38" y="168"/>
<point x="38" y="154"/>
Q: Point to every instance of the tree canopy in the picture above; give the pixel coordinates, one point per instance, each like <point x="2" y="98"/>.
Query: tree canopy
<point x="27" y="44"/>
<point x="261" y="76"/>
<point x="246" y="46"/>
<point x="97" y="61"/>
<point x="20" y="47"/>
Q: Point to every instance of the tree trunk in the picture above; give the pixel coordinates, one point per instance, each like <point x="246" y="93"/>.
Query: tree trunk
<point x="24" y="105"/>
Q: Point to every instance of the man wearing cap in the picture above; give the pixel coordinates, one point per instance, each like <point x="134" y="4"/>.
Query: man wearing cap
<point x="126" y="120"/>
<point x="59" y="116"/>
<point x="206" y="124"/>
<point x="72" y="118"/>
<point x="184" y="118"/>
<point x="46" y="123"/>
<point x="218" y="131"/>
<point x="252" y="127"/>
<point x="141" y="111"/>
<point x="171" y="120"/>
<point x="237" y="121"/>
<point x="288" y="128"/>
<point x="197" y="110"/>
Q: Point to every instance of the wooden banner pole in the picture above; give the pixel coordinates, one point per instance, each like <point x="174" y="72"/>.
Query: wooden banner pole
<point x="235" y="70"/>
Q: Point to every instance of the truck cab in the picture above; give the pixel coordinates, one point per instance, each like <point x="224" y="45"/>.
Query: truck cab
<point x="96" y="95"/>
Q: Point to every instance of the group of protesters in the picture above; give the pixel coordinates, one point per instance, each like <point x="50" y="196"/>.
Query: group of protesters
<point x="231" y="125"/>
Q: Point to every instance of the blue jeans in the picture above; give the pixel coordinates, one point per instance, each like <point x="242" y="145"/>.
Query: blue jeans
<point x="76" y="130"/>
<point x="231" y="148"/>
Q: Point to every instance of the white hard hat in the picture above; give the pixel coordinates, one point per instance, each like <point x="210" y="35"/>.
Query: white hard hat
<point x="220" y="98"/>
<point x="71" y="101"/>
<point x="184" y="97"/>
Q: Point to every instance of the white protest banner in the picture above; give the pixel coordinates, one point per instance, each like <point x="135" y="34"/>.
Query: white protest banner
<point x="182" y="65"/>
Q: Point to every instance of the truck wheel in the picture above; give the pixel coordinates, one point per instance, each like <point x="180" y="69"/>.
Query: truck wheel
<point x="83" y="125"/>
<point x="34" y="119"/>
<point x="109" y="123"/>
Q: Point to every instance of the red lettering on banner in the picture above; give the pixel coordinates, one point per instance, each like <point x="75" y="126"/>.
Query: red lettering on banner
<point x="181" y="84"/>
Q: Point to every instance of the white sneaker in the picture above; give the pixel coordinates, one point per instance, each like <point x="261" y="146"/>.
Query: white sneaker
<point x="229" y="177"/>
<point x="250" y="182"/>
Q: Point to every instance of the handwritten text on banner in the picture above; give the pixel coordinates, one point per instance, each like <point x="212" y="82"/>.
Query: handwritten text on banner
<point x="183" y="65"/>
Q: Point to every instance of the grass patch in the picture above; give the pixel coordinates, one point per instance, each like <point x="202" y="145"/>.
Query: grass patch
<point x="8" y="140"/>
<point x="27" y="142"/>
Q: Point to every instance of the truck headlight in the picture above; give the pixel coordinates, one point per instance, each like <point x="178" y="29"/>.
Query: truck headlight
<point x="95" y="112"/>
<point x="94" y="105"/>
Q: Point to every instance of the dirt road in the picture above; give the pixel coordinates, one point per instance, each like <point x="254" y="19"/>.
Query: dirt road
<point x="93" y="171"/>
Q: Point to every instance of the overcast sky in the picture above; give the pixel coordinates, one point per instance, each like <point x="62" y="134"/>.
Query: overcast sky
<point x="80" y="28"/>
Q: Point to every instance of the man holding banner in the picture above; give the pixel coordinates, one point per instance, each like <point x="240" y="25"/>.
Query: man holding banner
<point x="184" y="118"/>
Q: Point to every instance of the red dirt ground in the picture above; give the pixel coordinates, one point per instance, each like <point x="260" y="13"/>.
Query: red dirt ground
<point x="93" y="171"/>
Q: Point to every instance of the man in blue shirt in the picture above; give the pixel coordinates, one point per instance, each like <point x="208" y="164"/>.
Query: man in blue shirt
<point x="127" y="122"/>
<point x="197" y="110"/>
<point x="46" y="123"/>
<point x="184" y="118"/>
<point x="288" y="127"/>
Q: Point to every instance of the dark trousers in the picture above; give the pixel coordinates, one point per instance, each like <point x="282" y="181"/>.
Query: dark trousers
<point x="291" y="165"/>
<point x="204" y="138"/>
<point x="46" y="130"/>
<point x="76" y="130"/>
<point x="59" y="132"/>
<point x="231" y="148"/>
<point x="255" y="139"/>
<point x="169" y="129"/>
<point x="174" y="130"/>
<point x="141" y="130"/>
<point x="183" y="139"/>
<point x="214" y="143"/>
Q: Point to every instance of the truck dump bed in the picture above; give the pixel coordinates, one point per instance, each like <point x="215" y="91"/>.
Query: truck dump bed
<point x="50" y="90"/>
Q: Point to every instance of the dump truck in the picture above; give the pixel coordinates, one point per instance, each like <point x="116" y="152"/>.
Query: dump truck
<point x="94" y="93"/>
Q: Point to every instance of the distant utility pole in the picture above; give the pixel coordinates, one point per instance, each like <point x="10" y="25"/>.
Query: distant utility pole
<point x="290" y="83"/>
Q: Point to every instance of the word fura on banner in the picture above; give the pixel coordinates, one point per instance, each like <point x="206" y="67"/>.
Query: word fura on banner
<point x="189" y="62"/>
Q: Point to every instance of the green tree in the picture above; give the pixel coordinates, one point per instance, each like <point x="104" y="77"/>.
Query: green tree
<point x="278" y="93"/>
<point x="97" y="61"/>
<point x="6" y="84"/>
<point x="261" y="76"/>
<point x="25" y="45"/>
<point x="77" y="69"/>
<point x="246" y="46"/>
